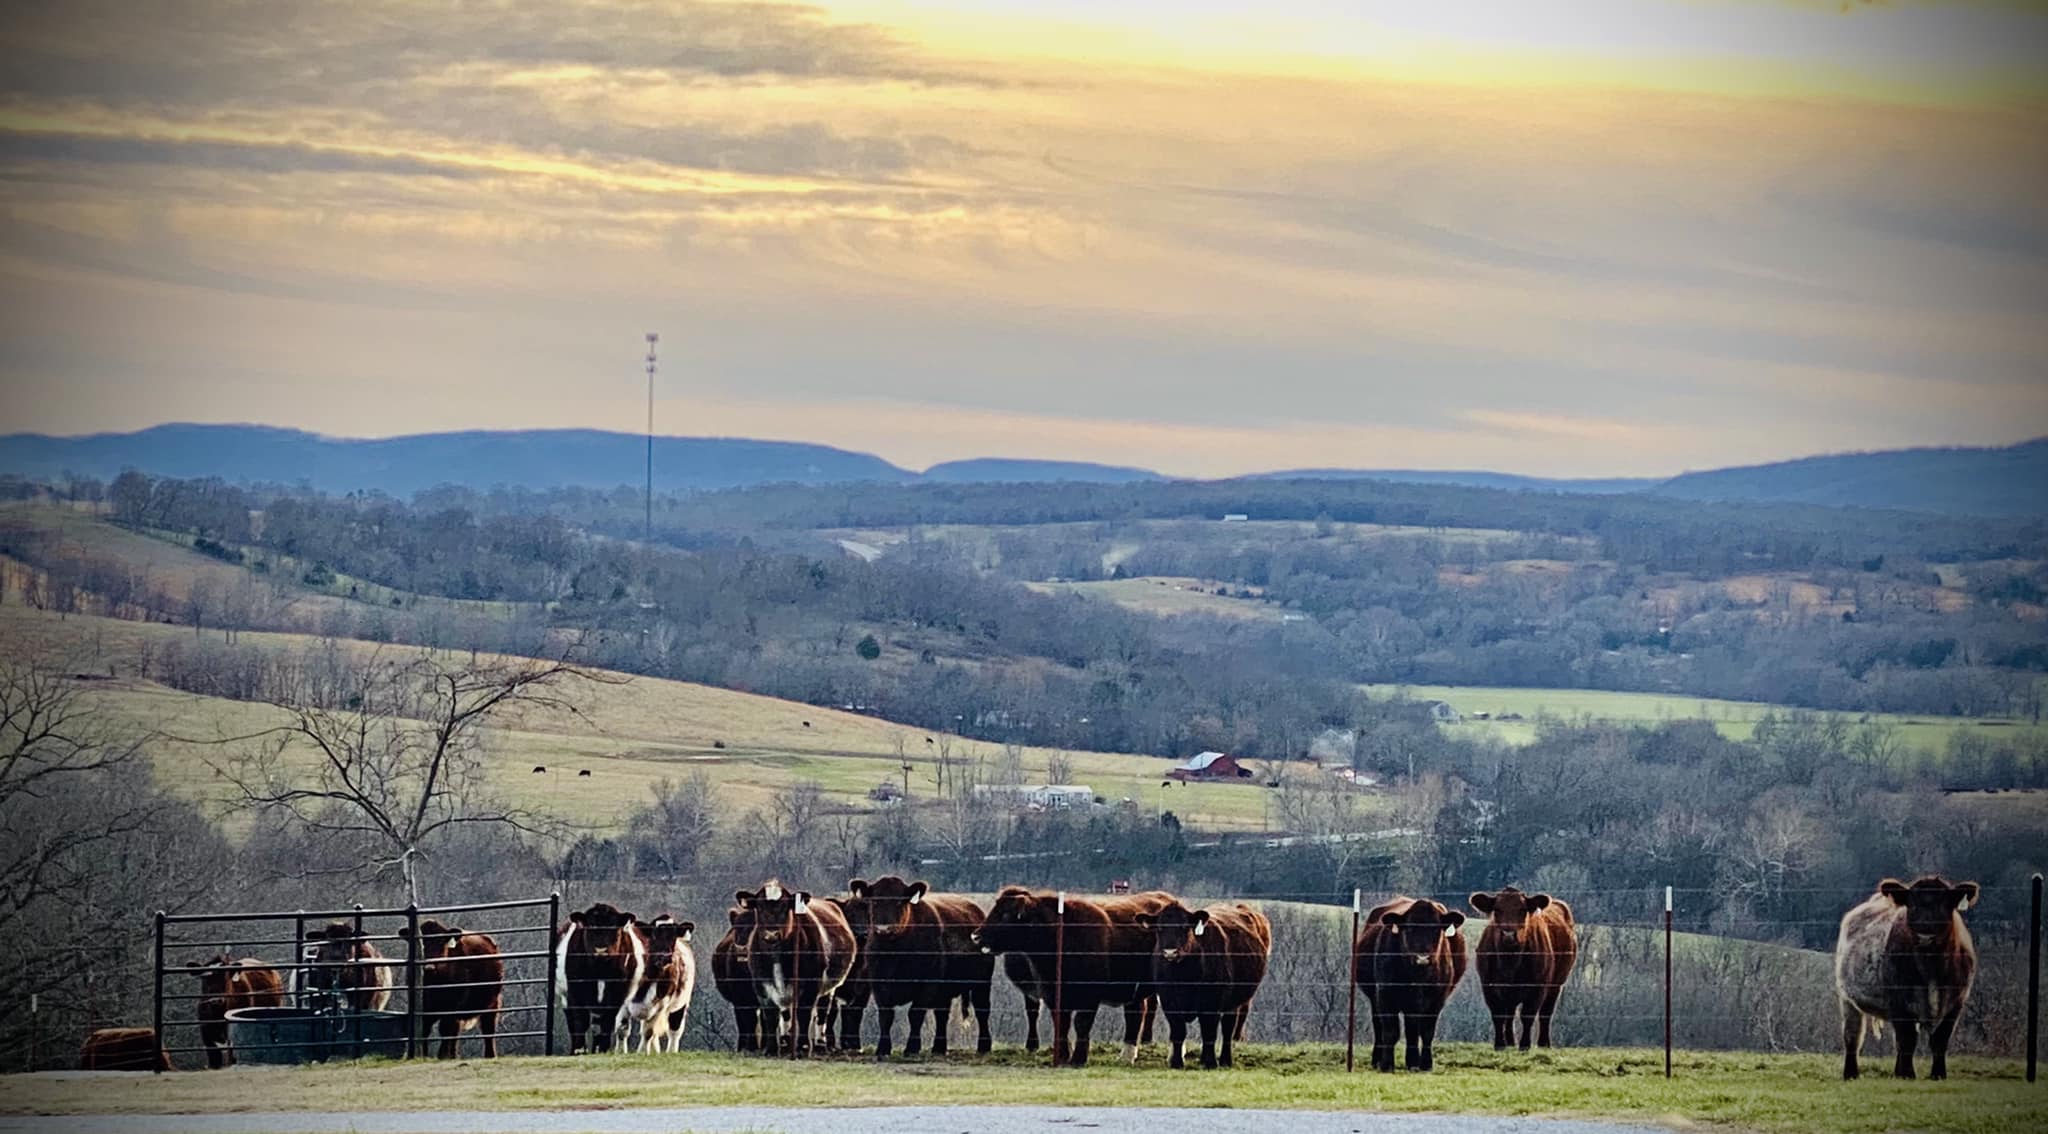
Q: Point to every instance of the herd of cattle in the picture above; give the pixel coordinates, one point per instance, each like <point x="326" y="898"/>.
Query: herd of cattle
<point x="800" y="970"/>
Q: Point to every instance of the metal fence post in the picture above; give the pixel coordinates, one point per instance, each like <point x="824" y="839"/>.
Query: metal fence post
<point x="1059" y="980"/>
<point x="301" y="976"/>
<point x="412" y="979"/>
<point x="548" y="994"/>
<point x="1667" y="982"/>
<point x="358" y="1053"/>
<point x="157" y="1015"/>
<point x="1351" y="982"/>
<point x="2034" y="980"/>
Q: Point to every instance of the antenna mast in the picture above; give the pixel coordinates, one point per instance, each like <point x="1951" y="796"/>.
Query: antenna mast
<point x="647" y="525"/>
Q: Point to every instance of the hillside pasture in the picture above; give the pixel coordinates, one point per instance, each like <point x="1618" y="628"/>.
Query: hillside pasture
<point x="629" y="735"/>
<point x="1735" y="720"/>
<point x="1167" y="595"/>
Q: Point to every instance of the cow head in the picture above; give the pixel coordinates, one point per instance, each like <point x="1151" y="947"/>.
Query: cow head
<point x="338" y="943"/>
<point x="603" y="926"/>
<point x="884" y="904"/>
<point x="742" y="919"/>
<point x="1509" y="910"/>
<point x="214" y="974"/>
<point x="775" y="908"/>
<point x="1018" y="921"/>
<point x="1420" y="931"/>
<point x="1931" y="906"/>
<point x="436" y="940"/>
<point x="664" y="933"/>
<point x="1176" y="930"/>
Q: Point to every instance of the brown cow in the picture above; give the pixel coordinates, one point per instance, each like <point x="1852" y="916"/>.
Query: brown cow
<point x="123" y="1049"/>
<point x="1208" y="965"/>
<point x="1523" y="960"/>
<point x="348" y="965"/>
<point x="1107" y="960"/>
<point x="1905" y="956"/>
<point x="599" y="957"/>
<point x="660" y="1002"/>
<point x="733" y="977"/>
<point x="226" y="984"/>
<point x="851" y="1001"/>
<point x="462" y="985"/>
<point x="920" y="953"/>
<point x="1408" y="958"/>
<point x="799" y="953"/>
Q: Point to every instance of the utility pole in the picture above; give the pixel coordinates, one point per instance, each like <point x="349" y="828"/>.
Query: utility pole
<point x="647" y="525"/>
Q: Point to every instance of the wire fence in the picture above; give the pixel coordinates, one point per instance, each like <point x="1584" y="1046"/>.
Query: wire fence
<point x="1633" y="983"/>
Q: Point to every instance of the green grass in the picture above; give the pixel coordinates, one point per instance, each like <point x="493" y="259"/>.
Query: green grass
<point x="1735" y="720"/>
<point x="1741" y="1091"/>
<point x="1153" y="594"/>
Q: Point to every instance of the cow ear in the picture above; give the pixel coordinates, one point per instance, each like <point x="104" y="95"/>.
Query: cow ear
<point x="743" y="898"/>
<point x="803" y="901"/>
<point x="917" y="892"/>
<point x="1894" y="889"/>
<point x="1965" y="894"/>
<point x="1144" y="920"/>
<point x="1201" y="922"/>
<point x="576" y="917"/>
<point x="1482" y="902"/>
<point x="1540" y="902"/>
<point x="689" y="927"/>
<point x="1454" y="920"/>
<point x="858" y="887"/>
<point x="405" y="932"/>
<point x="1392" y="919"/>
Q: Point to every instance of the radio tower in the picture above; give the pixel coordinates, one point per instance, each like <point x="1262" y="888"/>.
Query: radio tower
<point x="647" y="525"/>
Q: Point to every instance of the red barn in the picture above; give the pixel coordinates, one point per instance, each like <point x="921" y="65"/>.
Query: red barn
<point x="1209" y="766"/>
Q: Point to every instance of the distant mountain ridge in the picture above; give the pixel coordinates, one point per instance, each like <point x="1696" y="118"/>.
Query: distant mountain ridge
<point x="2007" y="481"/>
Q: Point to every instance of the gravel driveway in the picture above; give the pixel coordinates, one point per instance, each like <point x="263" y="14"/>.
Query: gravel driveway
<point x="813" y="1120"/>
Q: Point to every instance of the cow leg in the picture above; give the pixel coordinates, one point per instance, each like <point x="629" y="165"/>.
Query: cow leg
<point x="1209" y="1021"/>
<point x="1232" y="1021"/>
<point x="1176" y="1040"/>
<point x="1084" y="1029"/>
<point x="1545" y="1008"/>
<point x="1937" y="1042"/>
<point x="984" y="1039"/>
<point x="746" y="1024"/>
<point x="1148" y="1011"/>
<point x="576" y="1021"/>
<point x="770" y="1019"/>
<point x="1852" y="1040"/>
<point x="942" y="1018"/>
<point x="1386" y="1031"/>
<point x="1527" y="1010"/>
<point x="1138" y="1017"/>
<point x="1061" y="1045"/>
<point x="677" y="1021"/>
<point x="487" y="1029"/>
<point x="451" y="1036"/>
<point x="1241" y="1028"/>
<point x="806" y="1025"/>
<point x="1905" y="1037"/>
<point x="1422" y="1041"/>
<point x="1030" y="1022"/>
<point x="913" y="1040"/>
<point x="885" y="1021"/>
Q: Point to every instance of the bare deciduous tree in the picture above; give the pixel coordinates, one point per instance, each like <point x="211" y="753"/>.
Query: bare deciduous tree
<point x="401" y="761"/>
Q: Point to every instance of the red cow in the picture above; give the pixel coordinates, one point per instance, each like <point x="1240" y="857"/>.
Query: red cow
<point x="228" y="984"/>
<point x="920" y="952"/>
<point x="599" y="957"/>
<point x="1408" y="958"/>
<point x="1208" y="965"/>
<point x="1106" y="959"/>
<point x="1523" y="960"/>
<point x="462" y="985"/>
<point x="123" y="1049"/>
<point x="733" y="977"/>
<point x="348" y="965"/>
<point x="1905" y="956"/>
<point x="799" y="952"/>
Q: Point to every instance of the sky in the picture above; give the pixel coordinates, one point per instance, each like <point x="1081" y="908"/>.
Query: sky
<point x="1587" y="238"/>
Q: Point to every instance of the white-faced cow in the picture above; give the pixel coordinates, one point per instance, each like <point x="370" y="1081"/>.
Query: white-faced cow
<point x="226" y="984"/>
<point x="347" y="964"/>
<point x="1905" y="957"/>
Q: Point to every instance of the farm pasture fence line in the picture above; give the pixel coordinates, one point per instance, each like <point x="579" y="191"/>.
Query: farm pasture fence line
<point x="524" y="967"/>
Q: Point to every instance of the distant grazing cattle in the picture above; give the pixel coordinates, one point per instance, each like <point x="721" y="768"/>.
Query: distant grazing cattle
<point x="1905" y="956"/>
<point x="1408" y="958"/>
<point x="226" y="984"/>
<point x="1107" y="960"/>
<point x="1207" y="965"/>
<point x="660" y="1001"/>
<point x="850" y="1002"/>
<point x="123" y="1049"/>
<point x="799" y="953"/>
<point x="347" y="964"/>
<point x="462" y="985"/>
<point x="1523" y="960"/>
<point x="921" y="954"/>
<point x="733" y="977"/>
<point x="598" y="958"/>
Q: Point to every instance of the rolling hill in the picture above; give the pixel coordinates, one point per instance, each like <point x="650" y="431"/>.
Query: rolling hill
<point x="2009" y="481"/>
